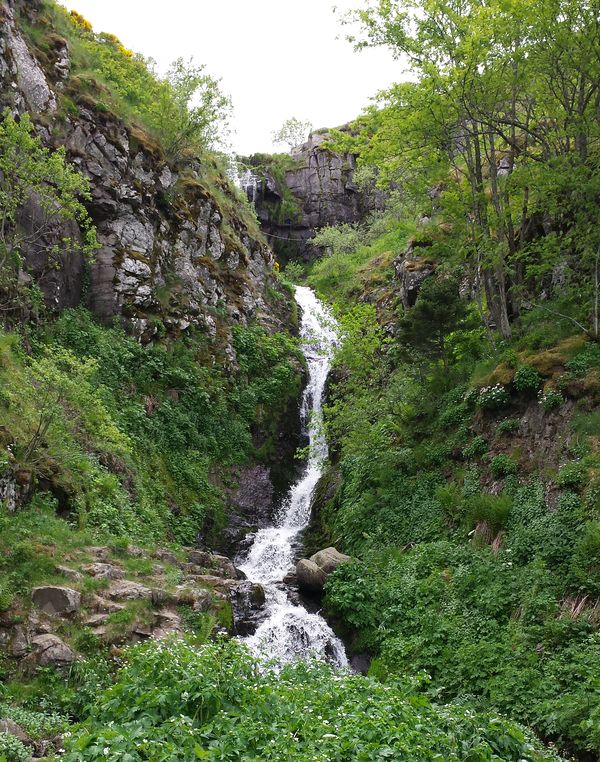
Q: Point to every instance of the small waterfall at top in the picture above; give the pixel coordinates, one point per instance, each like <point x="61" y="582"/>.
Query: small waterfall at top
<point x="248" y="182"/>
<point x="289" y="631"/>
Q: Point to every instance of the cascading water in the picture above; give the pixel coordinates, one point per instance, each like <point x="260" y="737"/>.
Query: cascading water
<point x="289" y="631"/>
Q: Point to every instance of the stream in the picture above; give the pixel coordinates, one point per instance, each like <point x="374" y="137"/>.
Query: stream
<point x="289" y="631"/>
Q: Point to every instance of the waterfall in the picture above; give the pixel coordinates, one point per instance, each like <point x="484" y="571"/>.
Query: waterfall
<point x="248" y="182"/>
<point x="289" y="631"/>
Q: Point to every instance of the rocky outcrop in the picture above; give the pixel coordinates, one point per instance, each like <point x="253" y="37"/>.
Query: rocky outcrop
<point x="317" y="189"/>
<point x="53" y="599"/>
<point x="412" y="268"/>
<point x="170" y="253"/>
<point x="312" y="572"/>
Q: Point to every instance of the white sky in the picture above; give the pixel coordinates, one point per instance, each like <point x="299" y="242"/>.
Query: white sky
<point x="276" y="58"/>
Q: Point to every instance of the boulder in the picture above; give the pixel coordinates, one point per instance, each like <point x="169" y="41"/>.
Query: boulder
<point x="311" y="578"/>
<point x="12" y="729"/>
<point x="128" y="591"/>
<point x="102" y="570"/>
<point x="329" y="559"/>
<point x="50" y="651"/>
<point x="53" y="599"/>
<point x="66" y="571"/>
<point x="247" y="602"/>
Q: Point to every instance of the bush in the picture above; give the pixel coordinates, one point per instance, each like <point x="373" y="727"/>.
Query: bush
<point x="12" y="750"/>
<point x="174" y="701"/>
<point x="550" y="399"/>
<point x="571" y="474"/>
<point x="493" y="397"/>
<point x="527" y="379"/>
<point x="477" y="447"/>
<point x="508" y="426"/>
<point x="502" y="465"/>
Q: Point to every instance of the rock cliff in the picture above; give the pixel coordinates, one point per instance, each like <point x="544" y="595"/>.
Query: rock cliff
<point x="172" y="250"/>
<point x="297" y="194"/>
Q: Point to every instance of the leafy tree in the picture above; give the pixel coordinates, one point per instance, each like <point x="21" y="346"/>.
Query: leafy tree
<point x="292" y="132"/>
<point x="188" y="109"/>
<point x="438" y="311"/>
<point x="32" y="175"/>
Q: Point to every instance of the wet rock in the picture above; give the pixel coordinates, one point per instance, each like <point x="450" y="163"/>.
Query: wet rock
<point x="311" y="578"/>
<point x="101" y="570"/>
<point x="247" y="602"/>
<point x="329" y="559"/>
<point x="218" y="565"/>
<point x="49" y="651"/>
<point x="53" y="599"/>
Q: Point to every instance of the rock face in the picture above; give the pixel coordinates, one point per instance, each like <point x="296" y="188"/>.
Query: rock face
<point x="168" y="253"/>
<point x="322" y="184"/>
<point x="412" y="268"/>
<point x="56" y="600"/>
<point x="312" y="572"/>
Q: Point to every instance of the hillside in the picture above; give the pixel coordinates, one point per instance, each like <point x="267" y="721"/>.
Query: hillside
<point x="415" y="428"/>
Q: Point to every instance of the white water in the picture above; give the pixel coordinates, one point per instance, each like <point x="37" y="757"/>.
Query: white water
<point x="289" y="631"/>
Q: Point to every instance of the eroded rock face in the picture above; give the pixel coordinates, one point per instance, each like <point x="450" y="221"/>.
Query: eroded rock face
<point x="412" y="268"/>
<point x="164" y="251"/>
<point x="322" y="183"/>
<point x="55" y="600"/>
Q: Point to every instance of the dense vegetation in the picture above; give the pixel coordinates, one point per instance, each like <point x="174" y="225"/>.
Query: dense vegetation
<point x="464" y="425"/>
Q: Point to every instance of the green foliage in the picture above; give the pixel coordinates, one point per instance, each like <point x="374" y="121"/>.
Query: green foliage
<point x="493" y="397"/>
<point x="293" y="132"/>
<point x="184" y="110"/>
<point x="502" y="465"/>
<point x="438" y="311"/>
<point x="527" y="379"/>
<point x="508" y="426"/>
<point x="550" y="399"/>
<point x="494" y="510"/>
<point x="477" y="447"/>
<point x="173" y="701"/>
<point x="36" y="724"/>
<point x="32" y="174"/>
<point x="12" y="750"/>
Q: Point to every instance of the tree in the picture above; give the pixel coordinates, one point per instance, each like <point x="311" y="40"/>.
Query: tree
<point x="33" y="176"/>
<point x="438" y="311"/>
<point x="293" y="132"/>
<point x="188" y="111"/>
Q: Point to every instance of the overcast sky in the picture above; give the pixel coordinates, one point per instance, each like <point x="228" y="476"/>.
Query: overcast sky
<point x="276" y="58"/>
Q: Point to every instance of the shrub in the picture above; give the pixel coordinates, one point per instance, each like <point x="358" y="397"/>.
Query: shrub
<point x="550" y="399"/>
<point x="501" y="465"/>
<point x="508" y="426"/>
<point x="527" y="379"/>
<point x="175" y="701"/>
<point x="12" y="750"/>
<point x="585" y="565"/>
<point x="476" y="448"/>
<point x="493" y="397"/>
<point x="571" y="474"/>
